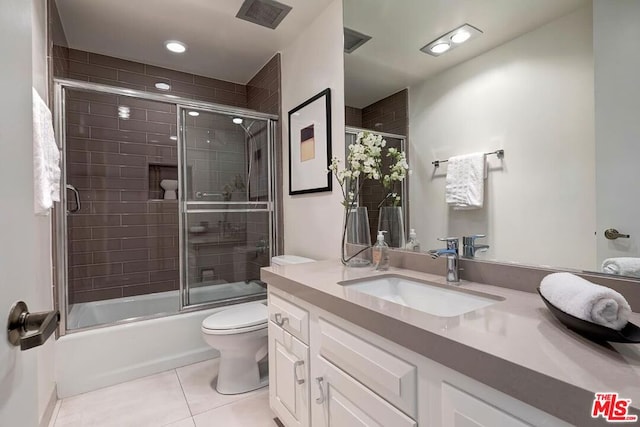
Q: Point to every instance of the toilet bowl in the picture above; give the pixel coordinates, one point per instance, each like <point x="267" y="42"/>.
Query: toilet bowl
<point x="240" y="335"/>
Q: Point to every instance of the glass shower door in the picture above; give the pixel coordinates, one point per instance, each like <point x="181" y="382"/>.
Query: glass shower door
<point x="226" y="206"/>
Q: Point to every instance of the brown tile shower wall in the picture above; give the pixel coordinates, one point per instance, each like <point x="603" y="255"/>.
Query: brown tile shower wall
<point x="353" y="116"/>
<point x="121" y="243"/>
<point x="389" y="114"/>
<point x="95" y="68"/>
<point x="264" y="94"/>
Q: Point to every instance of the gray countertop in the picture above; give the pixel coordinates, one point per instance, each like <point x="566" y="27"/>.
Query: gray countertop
<point x="515" y="345"/>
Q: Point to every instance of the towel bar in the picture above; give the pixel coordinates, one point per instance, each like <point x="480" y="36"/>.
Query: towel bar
<point x="499" y="153"/>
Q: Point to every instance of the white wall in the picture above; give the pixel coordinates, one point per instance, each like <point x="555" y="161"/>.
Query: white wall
<point x="617" y="24"/>
<point x="312" y="63"/>
<point x="532" y="97"/>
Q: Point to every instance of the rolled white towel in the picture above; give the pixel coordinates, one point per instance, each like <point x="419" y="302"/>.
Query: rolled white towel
<point x="625" y="266"/>
<point x="586" y="300"/>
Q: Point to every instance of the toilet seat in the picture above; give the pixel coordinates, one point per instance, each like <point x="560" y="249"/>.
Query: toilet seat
<point x="237" y="320"/>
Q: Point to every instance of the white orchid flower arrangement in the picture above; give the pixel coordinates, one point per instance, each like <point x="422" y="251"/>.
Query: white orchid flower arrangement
<point x="363" y="162"/>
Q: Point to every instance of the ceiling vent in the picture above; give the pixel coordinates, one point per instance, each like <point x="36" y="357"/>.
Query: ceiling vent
<point x="268" y="13"/>
<point x="353" y="40"/>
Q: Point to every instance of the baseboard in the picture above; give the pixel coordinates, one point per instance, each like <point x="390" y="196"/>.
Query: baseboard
<point x="51" y="406"/>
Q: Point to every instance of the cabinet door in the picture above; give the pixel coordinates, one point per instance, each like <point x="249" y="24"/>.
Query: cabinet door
<point x="460" y="409"/>
<point x="348" y="403"/>
<point x="288" y="377"/>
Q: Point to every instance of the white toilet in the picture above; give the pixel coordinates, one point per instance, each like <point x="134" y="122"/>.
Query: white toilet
<point x="240" y="335"/>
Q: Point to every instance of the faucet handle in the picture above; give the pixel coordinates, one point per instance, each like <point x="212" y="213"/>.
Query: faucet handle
<point x="471" y="240"/>
<point x="452" y="242"/>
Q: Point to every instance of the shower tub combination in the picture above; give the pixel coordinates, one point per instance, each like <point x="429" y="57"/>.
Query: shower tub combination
<point x="138" y="272"/>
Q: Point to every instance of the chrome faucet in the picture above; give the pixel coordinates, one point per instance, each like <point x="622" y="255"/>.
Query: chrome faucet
<point x="453" y="258"/>
<point x="469" y="247"/>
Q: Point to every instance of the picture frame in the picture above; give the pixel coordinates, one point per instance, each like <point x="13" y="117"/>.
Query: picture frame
<point x="310" y="145"/>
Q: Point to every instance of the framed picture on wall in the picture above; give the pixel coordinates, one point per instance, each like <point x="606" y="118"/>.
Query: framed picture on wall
<point x="310" y="145"/>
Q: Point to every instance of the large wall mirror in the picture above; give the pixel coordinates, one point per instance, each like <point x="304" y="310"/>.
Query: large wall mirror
<point x="553" y="83"/>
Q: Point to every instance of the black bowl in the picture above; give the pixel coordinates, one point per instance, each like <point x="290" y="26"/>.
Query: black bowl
<point x="629" y="334"/>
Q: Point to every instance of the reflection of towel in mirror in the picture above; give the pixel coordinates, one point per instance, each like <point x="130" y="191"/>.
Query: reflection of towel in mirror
<point x="465" y="181"/>
<point x="586" y="300"/>
<point x="624" y="266"/>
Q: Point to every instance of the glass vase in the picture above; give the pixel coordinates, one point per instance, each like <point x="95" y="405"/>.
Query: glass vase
<point x="391" y="220"/>
<point x="356" y="238"/>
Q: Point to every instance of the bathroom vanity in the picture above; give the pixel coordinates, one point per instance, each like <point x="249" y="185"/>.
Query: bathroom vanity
<point x="342" y="355"/>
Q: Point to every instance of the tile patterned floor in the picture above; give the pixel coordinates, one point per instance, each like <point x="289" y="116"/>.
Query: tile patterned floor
<point x="183" y="397"/>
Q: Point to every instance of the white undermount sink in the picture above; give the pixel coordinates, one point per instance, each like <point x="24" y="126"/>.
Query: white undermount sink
<point x="431" y="298"/>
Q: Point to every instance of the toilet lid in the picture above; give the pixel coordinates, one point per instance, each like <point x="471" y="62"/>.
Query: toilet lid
<point x="242" y="316"/>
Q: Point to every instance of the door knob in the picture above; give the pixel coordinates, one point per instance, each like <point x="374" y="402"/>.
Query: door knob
<point x="613" y="234"/>
<point x="21" y="322"/>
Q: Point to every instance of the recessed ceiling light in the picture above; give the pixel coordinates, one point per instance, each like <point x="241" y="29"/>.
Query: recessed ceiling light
<point x="461" y="36"/>
<point x="451" y="40"/>
<point x="440" y="47"/>
<point x="175" y="46"/>
<point x="194" y="113"/>
<point x="163" y="86"/>
<point x="237" y="120"/>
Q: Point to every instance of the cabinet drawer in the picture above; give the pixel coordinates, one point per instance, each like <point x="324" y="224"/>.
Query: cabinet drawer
<point x="350" y="404"/>
<point x="289" y="317"/>
<point x="460" y="409"/>
<point x="387" y="375"/>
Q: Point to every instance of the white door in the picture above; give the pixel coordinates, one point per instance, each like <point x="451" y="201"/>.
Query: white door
<point x="288" y="377"/>
<point x="617" y="99"/>
<point x="20" y="230"/>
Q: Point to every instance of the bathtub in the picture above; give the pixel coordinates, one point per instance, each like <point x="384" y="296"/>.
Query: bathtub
<point x="95" y="358"/>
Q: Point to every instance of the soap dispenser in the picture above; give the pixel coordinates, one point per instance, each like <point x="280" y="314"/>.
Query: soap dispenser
<point x="381" y="253"/>
<point x="413" y="244"/>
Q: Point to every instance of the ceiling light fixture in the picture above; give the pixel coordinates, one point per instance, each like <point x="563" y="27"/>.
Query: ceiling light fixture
<point x="163" y="86"/>
<point x="451" y="40"/>
<point x="439" y="48"/>
<point x="194" y="113"/>
<point x="175" y="46"/>
<point x="237" y="120"/>
<point x="461" y="36"/>
<point x="173" y="138"/>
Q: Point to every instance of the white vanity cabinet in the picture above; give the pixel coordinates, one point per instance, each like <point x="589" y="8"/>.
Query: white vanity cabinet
<point x="288" y="362"/>
<point x="353" y="377"/>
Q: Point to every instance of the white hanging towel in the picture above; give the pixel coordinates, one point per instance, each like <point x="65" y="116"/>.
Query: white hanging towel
<point x="465" y="181"/>
<point x="46" y="158"/>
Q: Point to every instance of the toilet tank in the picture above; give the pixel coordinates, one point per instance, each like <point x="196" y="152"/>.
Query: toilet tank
<point x="289" y="259"/>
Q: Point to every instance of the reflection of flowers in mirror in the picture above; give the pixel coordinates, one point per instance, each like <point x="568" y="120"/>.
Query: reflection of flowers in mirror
<point x="398" y="171"/>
